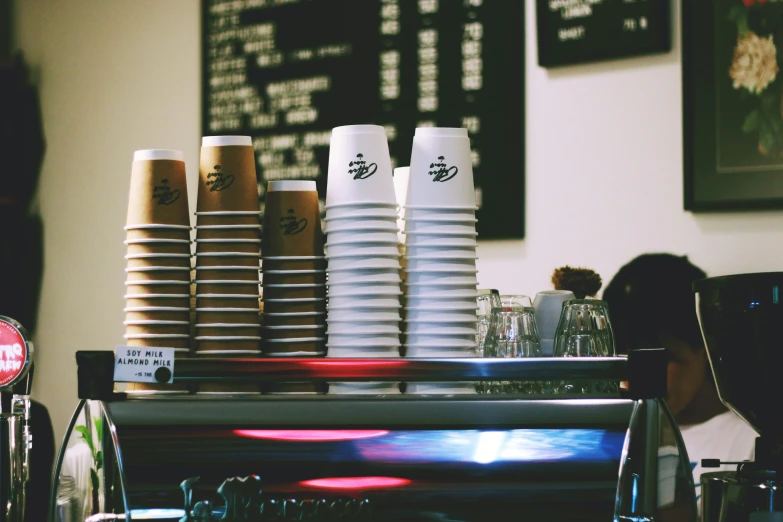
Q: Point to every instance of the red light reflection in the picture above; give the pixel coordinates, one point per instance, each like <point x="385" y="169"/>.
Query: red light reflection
<point x="357" y="364"/>
<point x="310" y="435"/>
<point x="356" y="482"/>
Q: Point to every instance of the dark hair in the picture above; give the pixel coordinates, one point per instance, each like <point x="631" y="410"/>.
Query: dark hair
<point x="652" y="295"/>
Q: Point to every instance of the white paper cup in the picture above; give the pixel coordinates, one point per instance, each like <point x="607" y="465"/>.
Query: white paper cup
<point x="418" y="277"/>
<point x="386" y="211"/>
<point x="391" y="262"/>
<point x="361" y="225"/>
<point x="441" y="264"/>
<point x="367" y="352"/>
<point x="362" y="341"/>
<point x="440" y="241"/>
<point x="363" y="250"/>
<point x="451" y="303"/>
<point x="441" y="168"/>
<point x="440" y="252"/>
<point x="441" y="291"/>
<point x="378" y="327"/>
<point x="364" y="388"/>
<point x="160" y="337"/>
<point x="354" y="237"/>
<point x="466" y="328"/>
<point x="358" y="315"/>
<point x="439" y="227"/>
<point x="437" y="213"/>
<point x="364" y="302"/>
<point x="440" y="316"/>
<point x="359" y="166"/>
<point x="364" y="276"/>
<point x="370" y="289"/>
<point x="440" y="339"/>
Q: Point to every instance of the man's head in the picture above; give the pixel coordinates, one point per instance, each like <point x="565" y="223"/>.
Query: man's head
<point x="651" y="305"/>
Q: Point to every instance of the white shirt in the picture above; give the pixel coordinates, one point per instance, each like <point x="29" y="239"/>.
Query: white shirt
<point x="725" y="437"/>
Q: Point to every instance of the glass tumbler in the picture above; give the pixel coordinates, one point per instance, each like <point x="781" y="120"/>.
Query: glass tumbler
<point x="487" y="302"/>
<point x="584" y="330"/>
<point x="513" y="334"/>
<point x="515" y="302"/>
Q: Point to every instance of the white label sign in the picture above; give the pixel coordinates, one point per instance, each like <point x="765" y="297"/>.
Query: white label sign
<point x="139" y="364"/>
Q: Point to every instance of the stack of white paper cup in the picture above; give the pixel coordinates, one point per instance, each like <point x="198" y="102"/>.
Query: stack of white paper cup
<point x="362" y="252"/>
<point x="227" y="255"/>
<point x="157" y="296"/>
<point x="440" y="264"/>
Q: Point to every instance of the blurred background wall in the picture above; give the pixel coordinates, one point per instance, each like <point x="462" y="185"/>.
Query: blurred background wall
<point x="604" y="166"/>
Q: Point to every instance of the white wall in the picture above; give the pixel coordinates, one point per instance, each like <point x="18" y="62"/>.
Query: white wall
<point x="604" y="166"/>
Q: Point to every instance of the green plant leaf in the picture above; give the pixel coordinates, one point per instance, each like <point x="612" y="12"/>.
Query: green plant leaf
<point x="742" y="23"/>
<point x="99" y="460"/>
<point x="86" y="436"/>
<point x="99" y="429"/>
<point x="751" y="122"/>
<point x="735" y="12"/>
<point x="767" y="140"/>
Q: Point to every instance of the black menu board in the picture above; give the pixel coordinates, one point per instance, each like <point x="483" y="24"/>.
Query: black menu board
<point x="287" y="71"/>
<point x="578" y="31"/>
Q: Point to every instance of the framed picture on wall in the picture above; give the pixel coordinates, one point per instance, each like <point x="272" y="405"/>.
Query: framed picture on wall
<point x="732" y="104"/>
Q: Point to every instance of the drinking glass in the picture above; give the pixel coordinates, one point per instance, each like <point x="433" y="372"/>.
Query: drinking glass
<point x="487" y="301"/>
<point x="584" y="330"/>
<point x="515" y="302"/>
<point x="513" y="334"/>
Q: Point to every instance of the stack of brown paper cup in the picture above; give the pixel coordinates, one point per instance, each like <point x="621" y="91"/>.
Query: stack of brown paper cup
<point x="440" y="249"/>
<point x="362" y="250"/>
<point x="158" y="258"/>
<point x="294" y="278"/>
<point x="227" y="255"/>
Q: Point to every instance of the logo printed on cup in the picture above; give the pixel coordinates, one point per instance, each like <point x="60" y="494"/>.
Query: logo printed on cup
<point x="360" y="168"/>
<point x="164" y="194"/>
<point x="442" y="172"/>
<point x="292" y="226"/>
<point x="221" y="180"/>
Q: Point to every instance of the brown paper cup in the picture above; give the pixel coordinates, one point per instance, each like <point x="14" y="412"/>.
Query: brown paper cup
<point x="178" y="300"/>
<point x="229" y="232"/>
<point x="292" y="224"/>
<point x="222" y="301"/>
<point x="226" y="315"/>
<point x="172" y="260"/>
<point x="152" y="389"/>
<point x="157" y="342"/>
<point x="303" y="348"/>
<point x="227" y="177"/>
<point x="228" y="218"/>
<point x="166" y="273"/>
<point x="228" y="274"/>
<point x="157" y="287"/>
<point x="207" y="388"/>
<point x="158" y="190"/>
<point x="292" y="263"/>
<point x="226" y="345"/>
<point x="158" y="315"/>
<point x="294" y="320"/>
<point x="157" y="329"/>
<point x="248" y="246"/>
<point x="288" y="306"/>
<point x="226" y="286"/>
<point x="294" y="277"/>
<point x="297" y="332"/>
<point x="158" y="233"/>
<point x="217" y="331"/>
<point x="172" y="247"/>
<point x="294" y="291"/>
<point x="295" y="388"/>
<point x="229" y="259"/>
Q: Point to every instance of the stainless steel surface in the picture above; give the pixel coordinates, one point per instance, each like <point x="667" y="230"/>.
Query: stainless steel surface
<point x="391" y="459"/>
<point x="727" y="497"/>
<point x="20" y="444"/>
<point x="407" y="370"/>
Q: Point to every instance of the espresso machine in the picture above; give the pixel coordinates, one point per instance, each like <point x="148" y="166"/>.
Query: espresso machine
<point x="398" y="458"/>
<point x="16" y="355"/>
<point x="741" y="317"/>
